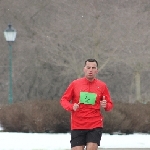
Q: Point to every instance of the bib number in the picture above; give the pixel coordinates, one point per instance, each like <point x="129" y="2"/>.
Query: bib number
<point x="87" y="98"/>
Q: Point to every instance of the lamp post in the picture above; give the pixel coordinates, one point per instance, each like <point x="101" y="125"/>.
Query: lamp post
<point x="10" y="35"/>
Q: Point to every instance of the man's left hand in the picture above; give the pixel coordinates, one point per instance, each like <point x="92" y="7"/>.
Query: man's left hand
<point x="103" y="102"/>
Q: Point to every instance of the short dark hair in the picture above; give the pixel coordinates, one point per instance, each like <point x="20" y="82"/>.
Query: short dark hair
<point x="91" y="60"/>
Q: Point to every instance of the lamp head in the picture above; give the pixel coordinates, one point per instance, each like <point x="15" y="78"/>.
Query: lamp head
<point x="10" y="34"/>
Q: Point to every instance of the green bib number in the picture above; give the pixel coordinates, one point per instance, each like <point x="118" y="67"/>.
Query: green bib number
<point x="87" y="98"/>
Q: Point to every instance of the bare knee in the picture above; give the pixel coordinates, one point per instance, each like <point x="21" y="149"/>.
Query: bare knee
<point x="91" y="146"/>
<point x="78" y="148"/>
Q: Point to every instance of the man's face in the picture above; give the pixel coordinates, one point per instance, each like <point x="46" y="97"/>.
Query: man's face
<point x="90" y="70"/>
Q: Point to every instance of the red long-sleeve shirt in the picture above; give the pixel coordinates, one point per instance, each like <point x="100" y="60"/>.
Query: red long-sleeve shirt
<point x="87" y="116"/>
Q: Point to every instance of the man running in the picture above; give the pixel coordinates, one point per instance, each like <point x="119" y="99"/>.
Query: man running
<point x="84" y="98"/>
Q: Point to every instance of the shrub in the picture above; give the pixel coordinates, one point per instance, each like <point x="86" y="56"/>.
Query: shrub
<point x="49" y="116"/>
<point x="35" y="116"/>
<point x="128" y="118"/>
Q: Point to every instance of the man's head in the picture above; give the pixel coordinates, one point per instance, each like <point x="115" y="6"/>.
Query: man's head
<point x="90" y="69"/>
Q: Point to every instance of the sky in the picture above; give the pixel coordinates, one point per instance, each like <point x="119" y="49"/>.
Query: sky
<point x="60" y="141"/>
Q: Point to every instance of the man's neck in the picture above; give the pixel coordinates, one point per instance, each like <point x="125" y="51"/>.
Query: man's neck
<point x="90" y="80"/>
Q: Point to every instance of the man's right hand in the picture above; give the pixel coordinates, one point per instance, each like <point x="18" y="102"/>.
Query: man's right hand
<point x="75" y="106"/>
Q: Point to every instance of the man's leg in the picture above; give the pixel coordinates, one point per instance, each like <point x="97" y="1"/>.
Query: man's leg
<point x="78" y="139"/>
<point x="91" y="146"/>
<point x="93" y="139"/>
<point x="78" y="148"/>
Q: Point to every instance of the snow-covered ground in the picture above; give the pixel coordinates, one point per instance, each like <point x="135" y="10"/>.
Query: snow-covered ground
<point x="49" y="141"/>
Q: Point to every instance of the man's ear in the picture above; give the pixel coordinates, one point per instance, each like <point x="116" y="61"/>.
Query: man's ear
<point x="97" y="71"/>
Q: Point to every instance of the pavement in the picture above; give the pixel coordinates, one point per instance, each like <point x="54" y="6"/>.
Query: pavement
<point x="124" y="149"/>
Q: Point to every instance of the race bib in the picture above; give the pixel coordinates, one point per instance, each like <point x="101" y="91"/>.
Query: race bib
<point x="87" y="98"/>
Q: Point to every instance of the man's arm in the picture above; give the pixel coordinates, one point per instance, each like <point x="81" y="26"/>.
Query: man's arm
<point x="106" y="102"/>
<point x="65" y="100"/>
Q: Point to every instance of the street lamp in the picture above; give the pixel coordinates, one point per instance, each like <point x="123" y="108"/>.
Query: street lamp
<point x="10" y="35"/>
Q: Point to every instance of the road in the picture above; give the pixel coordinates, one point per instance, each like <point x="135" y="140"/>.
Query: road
<point x="124" y="149"/>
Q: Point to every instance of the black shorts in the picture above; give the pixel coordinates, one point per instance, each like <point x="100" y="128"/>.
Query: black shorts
<point x="82" y="137"/>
